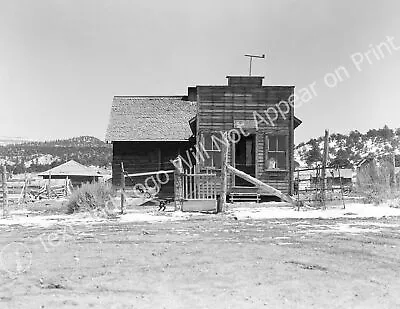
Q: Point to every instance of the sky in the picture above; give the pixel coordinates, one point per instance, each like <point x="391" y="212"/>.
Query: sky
<point x="61" y="62"/>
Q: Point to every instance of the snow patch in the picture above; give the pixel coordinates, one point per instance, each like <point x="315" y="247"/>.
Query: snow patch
<point x="276" y="211"/>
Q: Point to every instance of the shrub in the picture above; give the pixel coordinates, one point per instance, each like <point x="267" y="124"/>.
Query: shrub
<point x="375" y="183"/>
<point x="95" y="198"/>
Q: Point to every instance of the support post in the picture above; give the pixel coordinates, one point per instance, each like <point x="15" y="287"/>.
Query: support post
<point x="323" y="171"/>
<point x="178" y="183"/>
<point x="66" y="187"/>
<point x="122" y="187"/>
<point x="49" y="186"/>
<point x="298" y="190"/>
<point x="4" y="187"/>
<point x="224" y="174"/>
<point x="341" y="188"/>
<point x="394" y="180"/>
<point x="25" y="188"/>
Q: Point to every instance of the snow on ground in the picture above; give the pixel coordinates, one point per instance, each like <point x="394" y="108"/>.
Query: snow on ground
<point x="78" y="219"/>
<point x="282" y="210"/>
<point x="238" y="211"/>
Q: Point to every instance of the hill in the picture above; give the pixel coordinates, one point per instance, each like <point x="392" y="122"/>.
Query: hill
<point x="36" y="156"/>
<point x="344" y="150"/>
<point x="347" y="150"/>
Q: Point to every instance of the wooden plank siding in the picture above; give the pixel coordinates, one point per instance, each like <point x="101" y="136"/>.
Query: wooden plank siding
<point x="219" y="106"/>
<point x="143" y="156"/>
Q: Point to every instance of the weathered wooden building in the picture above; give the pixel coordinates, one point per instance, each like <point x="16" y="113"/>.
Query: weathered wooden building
<point x="265" y="146"/>
<point x="147" y="132"/>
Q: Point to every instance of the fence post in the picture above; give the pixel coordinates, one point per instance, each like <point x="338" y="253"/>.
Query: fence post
<point x="25" y="188"/>
<point x="178" y="183"/>
<point x="122" y="187"/>
<point x="298" y="190"/>
<point x="224" y="174"/>
<point x="323" y="171"/>
<point x="4" y="187"/>
<point x="49" y="186"/>
<point x="66" y="187"/>
<point x="394" y="180"/>
<point x="341" y="188"/>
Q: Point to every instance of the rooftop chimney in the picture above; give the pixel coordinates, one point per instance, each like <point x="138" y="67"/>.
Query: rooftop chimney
<point x="245" y="81"/>
<point x="192" y="94"/>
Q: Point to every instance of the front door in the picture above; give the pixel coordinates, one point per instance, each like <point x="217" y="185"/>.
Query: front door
<point x="245" y="158"/>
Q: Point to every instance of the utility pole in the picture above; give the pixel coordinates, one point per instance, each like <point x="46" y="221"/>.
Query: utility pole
<point x="251" y="60"/>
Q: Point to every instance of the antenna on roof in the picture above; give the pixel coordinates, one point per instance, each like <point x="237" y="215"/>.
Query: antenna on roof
<point x="251" y="60"/>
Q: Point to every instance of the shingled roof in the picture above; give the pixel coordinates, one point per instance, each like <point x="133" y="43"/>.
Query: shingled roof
<point x="71" y="168"/>
<point x="150" y="119"/>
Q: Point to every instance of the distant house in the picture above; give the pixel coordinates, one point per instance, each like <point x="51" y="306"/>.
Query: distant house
<point x="310" y="178"/>
<point x="365" y="163"/>
<point x="342" y="176"/>
<point x="147" y="132"/>
<point x="74" y="171"/>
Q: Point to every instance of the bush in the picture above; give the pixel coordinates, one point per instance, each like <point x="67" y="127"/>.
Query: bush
<point x="95" y="198"/>
<point x="375" y="183"/>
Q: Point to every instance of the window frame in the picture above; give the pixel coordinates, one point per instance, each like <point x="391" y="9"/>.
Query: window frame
<point x="277" y="151"/>
<point x="210" y="152"/>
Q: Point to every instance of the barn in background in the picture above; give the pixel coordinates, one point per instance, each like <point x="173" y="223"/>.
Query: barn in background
<point x="74" y="171"/>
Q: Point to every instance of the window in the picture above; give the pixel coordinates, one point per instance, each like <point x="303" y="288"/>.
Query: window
<point x="276" y="152"/>
<point x="210" y="154"/>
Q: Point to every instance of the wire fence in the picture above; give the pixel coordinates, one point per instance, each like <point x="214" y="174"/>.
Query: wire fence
<point x="311" y="187"/>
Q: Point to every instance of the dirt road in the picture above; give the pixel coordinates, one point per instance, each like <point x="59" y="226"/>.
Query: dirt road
<point x="203" y="263"/>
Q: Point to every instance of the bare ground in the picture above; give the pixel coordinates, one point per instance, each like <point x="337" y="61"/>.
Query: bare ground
<point x="204" y="262"/>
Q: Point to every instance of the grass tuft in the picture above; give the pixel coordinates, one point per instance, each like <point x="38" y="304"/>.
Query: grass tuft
<point x="96" y="198"/>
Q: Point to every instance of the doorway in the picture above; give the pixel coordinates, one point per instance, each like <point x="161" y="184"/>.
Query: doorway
<point x="245" y="158"/>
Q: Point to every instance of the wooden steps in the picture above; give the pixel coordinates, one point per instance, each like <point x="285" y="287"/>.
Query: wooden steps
<point x="244" y="194"/>
<point x="244" y="197"/>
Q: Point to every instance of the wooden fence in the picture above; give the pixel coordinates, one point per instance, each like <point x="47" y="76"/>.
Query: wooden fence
<point x="28" y="189"/>
<point x="199" y="190"/>
<point x="314" y="187"/>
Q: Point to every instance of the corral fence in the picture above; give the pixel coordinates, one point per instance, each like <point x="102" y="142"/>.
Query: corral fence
<point x="17" y="191"/>
<point x="311" y="186"/>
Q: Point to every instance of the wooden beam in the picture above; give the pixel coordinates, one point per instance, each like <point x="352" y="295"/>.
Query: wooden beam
<point x="263" y="186"/>
<point x="151" y="173"/>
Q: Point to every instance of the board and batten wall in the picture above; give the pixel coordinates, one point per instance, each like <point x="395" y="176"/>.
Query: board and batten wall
<point x="146" y="156"/>
<point x="218" y="107"/>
